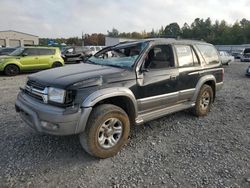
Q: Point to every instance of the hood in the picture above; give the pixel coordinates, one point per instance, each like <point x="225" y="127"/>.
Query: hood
<point x="85" y="74"/>
<point x="8" y="57"/>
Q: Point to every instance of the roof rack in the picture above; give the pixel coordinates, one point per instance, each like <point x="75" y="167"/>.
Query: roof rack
<point x="163" y="36"/>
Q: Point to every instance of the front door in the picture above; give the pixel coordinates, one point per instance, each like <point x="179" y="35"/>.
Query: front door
<point x="157" y="87"/>
<point x="29" y="59"/>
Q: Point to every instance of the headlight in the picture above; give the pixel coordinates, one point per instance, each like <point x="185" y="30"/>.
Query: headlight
<point x="56" y="95"/>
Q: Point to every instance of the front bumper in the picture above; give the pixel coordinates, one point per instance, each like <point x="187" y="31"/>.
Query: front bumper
<point x="50" y="119"/>
<point x="245" y="59"/>
<point x="1" y="67"/>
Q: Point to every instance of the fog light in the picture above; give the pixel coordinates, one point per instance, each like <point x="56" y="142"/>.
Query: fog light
<point x="49" y="126"/>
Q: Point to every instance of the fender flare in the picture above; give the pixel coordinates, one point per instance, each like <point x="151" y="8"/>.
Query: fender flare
<point x="200" y="83"/>
<point x="99" y="95"/>
<point x="102" y="94"/>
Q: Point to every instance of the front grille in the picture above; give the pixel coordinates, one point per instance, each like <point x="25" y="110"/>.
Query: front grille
<point x="35" y="85"/>
<point x="36" y="90"/>
<point x="38" y="97"/>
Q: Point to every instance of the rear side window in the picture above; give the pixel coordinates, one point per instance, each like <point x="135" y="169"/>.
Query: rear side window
<point x="209" y="53"/>
<point x="186" y="56"/>
<point x="46" y="51"/>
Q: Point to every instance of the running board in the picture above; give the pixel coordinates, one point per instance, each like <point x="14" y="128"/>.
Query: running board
<point x="142" y="118"/>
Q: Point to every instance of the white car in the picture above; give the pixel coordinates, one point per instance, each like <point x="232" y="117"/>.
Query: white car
<point x="226" y="58"/>
<point x="94" y="49"/>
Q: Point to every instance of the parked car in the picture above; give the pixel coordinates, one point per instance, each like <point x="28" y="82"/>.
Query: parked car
<point x="101" y="99"/>
<point x="94" y="49"/>
<point x="245" y="57"/>
<point x="75" y="53"/>
<point x="6" y="51"/>
<point x="237" y="54"/>
<point x="226" y="58"/>
<point x="30" y="59"/>
<point x="248" y="71"/>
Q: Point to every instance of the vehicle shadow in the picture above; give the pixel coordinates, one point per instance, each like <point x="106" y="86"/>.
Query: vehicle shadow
<point x="29" y="150"/>
<point x="20" y="74"/>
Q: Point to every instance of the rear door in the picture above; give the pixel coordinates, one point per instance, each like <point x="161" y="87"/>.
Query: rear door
<point x="189" y="67"/>
<point x="45" y="57"/>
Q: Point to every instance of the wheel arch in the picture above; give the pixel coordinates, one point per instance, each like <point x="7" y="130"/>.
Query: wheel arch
<point x="12" y="63"/>
<point x="122" y="97"/>
<point x="19" y="65"/>
<point x="209" y="80"/>
<point x="56" y="61"/>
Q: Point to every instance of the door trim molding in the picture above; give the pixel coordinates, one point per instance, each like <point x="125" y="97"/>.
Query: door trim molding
<point x="163" y="96"/>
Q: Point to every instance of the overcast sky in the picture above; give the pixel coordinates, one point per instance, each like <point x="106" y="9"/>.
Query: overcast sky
<point x="67" y="18"/>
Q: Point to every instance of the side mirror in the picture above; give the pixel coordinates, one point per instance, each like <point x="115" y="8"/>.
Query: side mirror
<point x="24" y="54"/>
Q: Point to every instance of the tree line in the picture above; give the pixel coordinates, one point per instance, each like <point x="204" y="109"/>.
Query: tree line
<point x="219" y="32"/>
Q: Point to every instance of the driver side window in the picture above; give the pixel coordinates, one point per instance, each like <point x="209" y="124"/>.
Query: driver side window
<point x="158" y="57"/>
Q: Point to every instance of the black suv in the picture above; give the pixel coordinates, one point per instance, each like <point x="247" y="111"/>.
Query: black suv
<point x="101" y="98"/>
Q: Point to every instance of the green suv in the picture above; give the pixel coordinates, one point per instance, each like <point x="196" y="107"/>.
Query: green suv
<point x="30" y="59"/>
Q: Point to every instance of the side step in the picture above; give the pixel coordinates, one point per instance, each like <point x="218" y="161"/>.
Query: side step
<point x="142" y="118"/>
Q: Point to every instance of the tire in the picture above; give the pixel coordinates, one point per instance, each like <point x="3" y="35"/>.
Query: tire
<point x="11" y="70"/>
<point x="100" y="129"/>
<point x="56" y="64"/>
<point x="204" y="101"/>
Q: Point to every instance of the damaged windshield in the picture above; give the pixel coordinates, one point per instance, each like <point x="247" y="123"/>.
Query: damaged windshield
<point x="122" y="55"/>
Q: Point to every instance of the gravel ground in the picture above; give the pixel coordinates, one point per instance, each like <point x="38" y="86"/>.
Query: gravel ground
<point x="178" y="150"/>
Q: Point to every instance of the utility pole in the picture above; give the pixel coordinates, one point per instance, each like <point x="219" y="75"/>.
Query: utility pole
<point x="82" y="39"/>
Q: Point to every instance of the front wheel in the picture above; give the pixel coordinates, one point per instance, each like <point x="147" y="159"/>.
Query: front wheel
<point x="204" y="101"/>
<point x="106" y="132"/>
<point x="11" y="70"/>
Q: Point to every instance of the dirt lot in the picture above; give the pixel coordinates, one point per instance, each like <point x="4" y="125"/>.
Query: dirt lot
<point x="178" y="150"/>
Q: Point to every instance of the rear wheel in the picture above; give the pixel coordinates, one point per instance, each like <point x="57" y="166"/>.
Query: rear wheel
<point x="56" y="64"/>
<point x="11" y="70"/>
<point x="106" y="132"/>
<point x="204" y="101"/>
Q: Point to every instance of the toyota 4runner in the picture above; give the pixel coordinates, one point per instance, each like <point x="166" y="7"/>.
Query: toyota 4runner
<point x="101" y="98"/>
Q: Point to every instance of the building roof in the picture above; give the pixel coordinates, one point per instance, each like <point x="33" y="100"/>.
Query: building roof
<point x="18" y="32"/>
